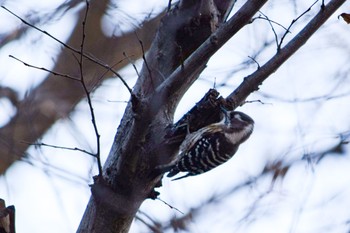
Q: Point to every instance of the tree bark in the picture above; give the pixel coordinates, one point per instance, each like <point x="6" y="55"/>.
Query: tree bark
<point x="140" y="143"/>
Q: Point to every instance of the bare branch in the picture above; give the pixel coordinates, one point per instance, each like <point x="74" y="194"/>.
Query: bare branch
<point x="132" y="63"/>
<point x="95" y="60"/>
<point x="264" y="17"/>
<point x="139" y="141"/>
<point x="154" y="226"/>
<point x="87" y="92"/>
<point x="293" y="22"/>
<point x="170" y="206"/>
<point x="61" y="147"/>
<point x="253" y="81"/>
<point x="44" y="69"/>
<point x="144" y="58"/>
<point x="182" y="77"/>
<point x="55" y="98"/>
<point x="272" y="28"/>
<point x="304" y="100"/>
<point x="257" y="63"/>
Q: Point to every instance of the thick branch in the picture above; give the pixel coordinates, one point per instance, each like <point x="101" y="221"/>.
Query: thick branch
<point x="252" y="82"/>
<point x="183" y="76"/>
<point x="140" y="137"/>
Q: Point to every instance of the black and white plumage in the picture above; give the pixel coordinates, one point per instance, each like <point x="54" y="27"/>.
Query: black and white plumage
<point x="212" y="145"/>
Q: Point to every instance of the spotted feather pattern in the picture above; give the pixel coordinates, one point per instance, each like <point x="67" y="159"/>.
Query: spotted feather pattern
<point x="212" y="145"/>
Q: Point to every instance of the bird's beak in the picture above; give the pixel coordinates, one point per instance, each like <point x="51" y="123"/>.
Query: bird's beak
<point x="226" y="114"/>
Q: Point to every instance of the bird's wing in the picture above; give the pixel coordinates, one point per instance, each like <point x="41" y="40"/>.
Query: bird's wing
<point x="192" y="138"/>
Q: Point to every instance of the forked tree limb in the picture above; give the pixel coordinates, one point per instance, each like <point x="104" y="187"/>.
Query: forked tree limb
<point x="139" y="141"/>
<point x="139" y="144"/>
<point x="252" y="82"/>
<point x="185" y="75"/>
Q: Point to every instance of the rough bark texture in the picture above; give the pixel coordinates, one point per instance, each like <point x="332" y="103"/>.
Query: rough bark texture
<point x="188" y="36"/>
<point x="140" y="142"/>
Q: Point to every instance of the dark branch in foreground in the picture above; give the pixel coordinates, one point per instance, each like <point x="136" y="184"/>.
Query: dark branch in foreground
<point x="253" y="81"/>
<point x="61" y="147"/>
<point x="87" y="92"/>
<point x="292" y="23"/>
<point x="139" y="142"/>
<point x="44" y="69"/>
<point x="180" y="78"/>
<point x="7" y="218"/>
<point x="128" y="169"/>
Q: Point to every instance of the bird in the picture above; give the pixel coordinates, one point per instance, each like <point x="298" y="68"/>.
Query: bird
<point x="211" y="145"/>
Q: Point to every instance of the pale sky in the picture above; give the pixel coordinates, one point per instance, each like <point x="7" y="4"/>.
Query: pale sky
<point x="51" y="194"/>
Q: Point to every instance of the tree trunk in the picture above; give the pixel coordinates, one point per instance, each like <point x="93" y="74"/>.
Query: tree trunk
<point x="141" y="141"/>
<point x="139" y="144"/>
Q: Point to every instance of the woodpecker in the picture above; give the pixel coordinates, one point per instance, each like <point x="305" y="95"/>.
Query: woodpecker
<point x="211" y="145"/>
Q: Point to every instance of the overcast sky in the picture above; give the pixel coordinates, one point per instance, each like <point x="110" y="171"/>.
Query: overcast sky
<point x="304" y="107"/>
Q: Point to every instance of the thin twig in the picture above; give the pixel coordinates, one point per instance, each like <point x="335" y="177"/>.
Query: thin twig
<point x="44" y="69"/>
<point x="72" y="49"/>
<point x="255" y="101"/>
<point x="291" y="24"/>
<point x="252" y="82"/>
<point x="156" y="227"/>
<point x="255" y="61"/>
<point x="154" y="222"/>
<point x="305" y="100"/>
<point x="144" y="58"/>
<point x="273" y="29"/>
<point x="132" y="63"/>
<point x="170" y="206"/>
<point x="272" y="21"/>
<point x="60" y="147"/>
<point x="93" y="118"/>
<point x="98" y="80"/>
